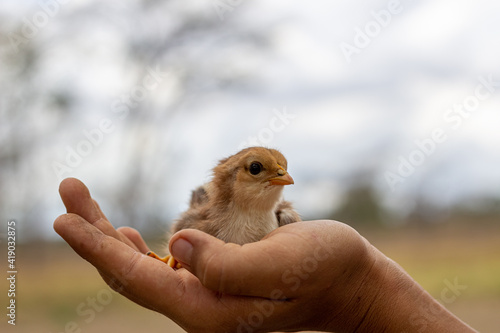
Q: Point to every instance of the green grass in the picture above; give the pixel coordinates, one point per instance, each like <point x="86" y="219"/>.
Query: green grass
<point x="433" y="256"/>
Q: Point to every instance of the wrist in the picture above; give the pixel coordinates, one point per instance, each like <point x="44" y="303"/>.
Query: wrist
<point x="399" y="304"/>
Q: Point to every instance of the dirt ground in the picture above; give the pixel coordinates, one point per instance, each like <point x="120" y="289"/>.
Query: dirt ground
<point x="54" y="284"/>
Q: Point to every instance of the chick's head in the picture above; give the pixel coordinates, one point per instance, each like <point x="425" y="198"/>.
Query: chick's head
<point x="254" y="177"/>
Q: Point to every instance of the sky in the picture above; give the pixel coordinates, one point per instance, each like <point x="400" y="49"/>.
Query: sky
<point x="407" y="90"/>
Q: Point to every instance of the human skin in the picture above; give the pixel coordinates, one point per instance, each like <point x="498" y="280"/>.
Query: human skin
<point x="314" y="275"/>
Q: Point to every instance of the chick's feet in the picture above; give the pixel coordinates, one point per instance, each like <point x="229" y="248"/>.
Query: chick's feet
<point x="169" y="260"/>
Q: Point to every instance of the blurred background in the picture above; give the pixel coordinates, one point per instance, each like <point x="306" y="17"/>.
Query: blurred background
<point x="387" y="111"/>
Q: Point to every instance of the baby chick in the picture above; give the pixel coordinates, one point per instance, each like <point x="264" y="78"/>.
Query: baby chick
<point x="243" y="202"/>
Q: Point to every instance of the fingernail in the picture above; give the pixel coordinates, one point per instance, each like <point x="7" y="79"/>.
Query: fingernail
<point x="182" y="250"/>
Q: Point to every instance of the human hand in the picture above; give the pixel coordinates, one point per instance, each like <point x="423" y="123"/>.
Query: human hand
<point x="316" y="275"/>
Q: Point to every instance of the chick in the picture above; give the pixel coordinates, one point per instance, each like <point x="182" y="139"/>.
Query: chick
<point x="243" y="202"/>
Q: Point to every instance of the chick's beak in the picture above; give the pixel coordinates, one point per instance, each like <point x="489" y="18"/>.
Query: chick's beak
<point x="283" y="178"/>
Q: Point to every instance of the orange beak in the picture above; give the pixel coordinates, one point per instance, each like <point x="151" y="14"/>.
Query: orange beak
<point x="284" y="178"/>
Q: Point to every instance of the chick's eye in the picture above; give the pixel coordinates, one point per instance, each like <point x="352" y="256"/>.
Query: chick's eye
<point x="255" y="168"/>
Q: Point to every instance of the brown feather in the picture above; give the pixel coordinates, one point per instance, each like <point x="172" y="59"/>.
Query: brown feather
<point x="237" y="206"/>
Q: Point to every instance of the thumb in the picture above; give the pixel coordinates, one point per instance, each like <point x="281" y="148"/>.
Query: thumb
<point x="229" y="268"/>
<point x="183" y="243"/>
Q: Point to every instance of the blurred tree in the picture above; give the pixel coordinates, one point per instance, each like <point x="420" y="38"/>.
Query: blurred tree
<point x="425" y="212"/>
<point x="481" y="210"/>
<point x="40" y="116"/>
<point x="360" y="207"/>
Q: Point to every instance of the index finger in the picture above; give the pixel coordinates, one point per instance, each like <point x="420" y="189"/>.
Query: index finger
<point x="76" y="197"/>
